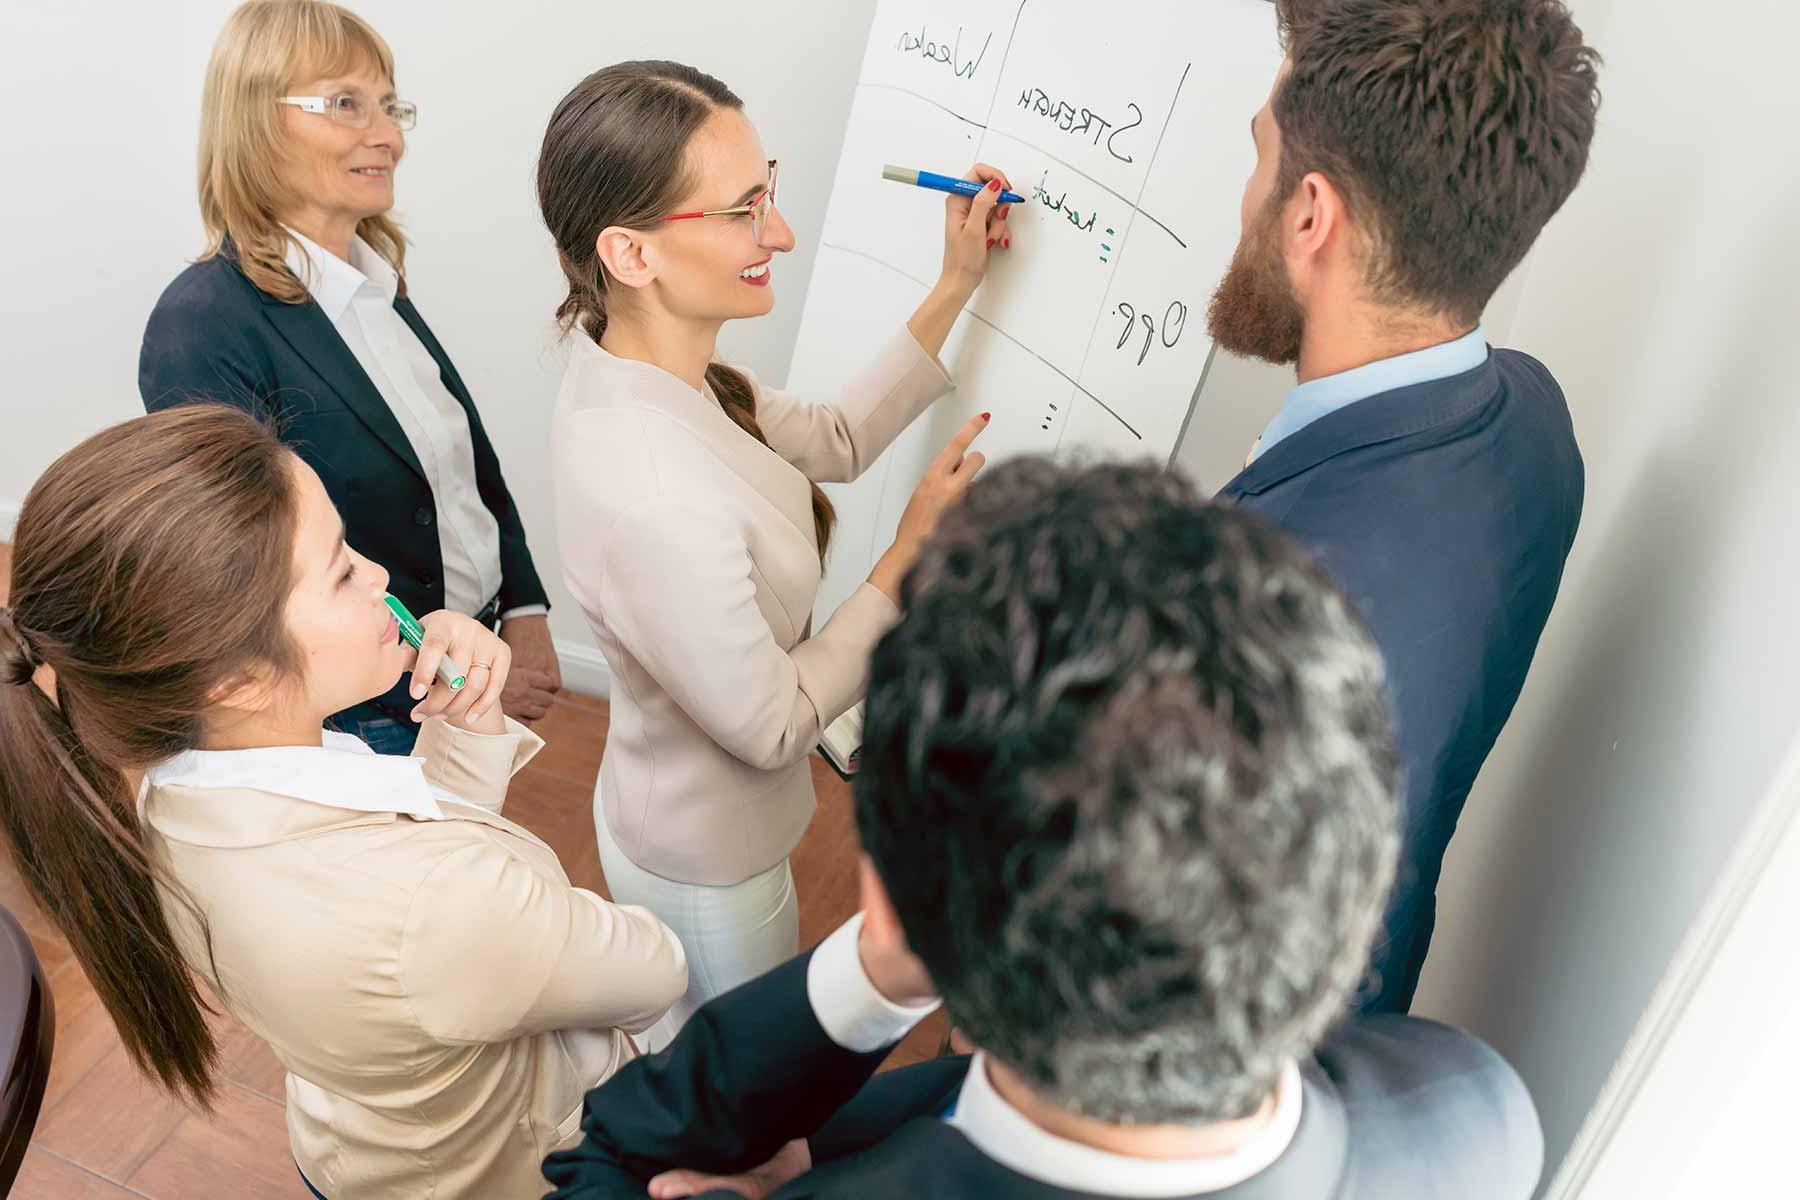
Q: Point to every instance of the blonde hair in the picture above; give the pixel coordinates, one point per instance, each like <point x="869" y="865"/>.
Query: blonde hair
<point x="266" y="47"/>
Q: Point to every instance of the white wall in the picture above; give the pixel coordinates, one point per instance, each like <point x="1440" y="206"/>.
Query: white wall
<point x="1662" y="697"/>
<point x="1701" y="1104"/>
<point x="98" y="108"/>
<point x="100" y="103"/>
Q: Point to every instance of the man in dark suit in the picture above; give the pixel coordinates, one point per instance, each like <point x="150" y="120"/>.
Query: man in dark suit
<point x="1407" y="157"/>
<point x="1128" y="793"/>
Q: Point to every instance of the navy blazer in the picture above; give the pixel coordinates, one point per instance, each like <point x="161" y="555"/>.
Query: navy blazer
<point x="215" y="336"/>
<point x="1393" y="1107"/>
<point x="1446" y="510"/>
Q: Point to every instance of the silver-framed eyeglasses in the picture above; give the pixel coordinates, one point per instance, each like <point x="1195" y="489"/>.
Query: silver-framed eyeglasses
<point x="757" y="209"/>
<point x="349" y="109"/>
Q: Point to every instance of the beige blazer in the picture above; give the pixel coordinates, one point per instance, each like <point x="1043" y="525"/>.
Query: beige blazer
<point x="439" y="993"/>
<point x="690" y="546"/>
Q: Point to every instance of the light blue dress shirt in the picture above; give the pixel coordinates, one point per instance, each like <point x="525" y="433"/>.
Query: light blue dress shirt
<point x="1309" y="401"/>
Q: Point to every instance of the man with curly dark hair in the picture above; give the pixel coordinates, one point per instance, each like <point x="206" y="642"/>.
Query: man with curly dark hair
<point x="1128" y="803"/>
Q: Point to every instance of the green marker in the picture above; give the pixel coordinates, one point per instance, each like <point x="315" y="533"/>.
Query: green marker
<point x="414" y="633"/>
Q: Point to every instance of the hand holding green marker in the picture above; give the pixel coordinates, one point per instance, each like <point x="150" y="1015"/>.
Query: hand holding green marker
<point x="414" y="633"/>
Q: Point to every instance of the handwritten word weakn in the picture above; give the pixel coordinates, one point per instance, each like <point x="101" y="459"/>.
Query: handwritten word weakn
<point x="948" y="53"/>
<point x="1081" y="121"/>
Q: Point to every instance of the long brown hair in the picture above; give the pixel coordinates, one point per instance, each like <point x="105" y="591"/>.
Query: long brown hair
<point x="151" y="566"/>
<point x="265" y="49"/>
<point x="616" y="154"/>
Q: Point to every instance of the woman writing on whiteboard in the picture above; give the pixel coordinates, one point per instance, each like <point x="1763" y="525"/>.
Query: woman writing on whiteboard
<point x="691" y="522"/>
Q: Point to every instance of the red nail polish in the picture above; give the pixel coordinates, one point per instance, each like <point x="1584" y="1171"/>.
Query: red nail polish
<point x="990" y="243"/>
<point x="993" y="185"/>
<point x="987" y="416"/>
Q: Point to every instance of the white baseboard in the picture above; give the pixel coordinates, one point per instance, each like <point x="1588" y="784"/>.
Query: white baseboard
<point x="584" y="669"/>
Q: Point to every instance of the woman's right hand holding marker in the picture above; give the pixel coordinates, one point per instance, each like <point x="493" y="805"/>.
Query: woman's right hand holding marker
<point x="974" y="226"/>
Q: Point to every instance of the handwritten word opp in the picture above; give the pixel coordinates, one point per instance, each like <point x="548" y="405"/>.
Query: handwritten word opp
<point x="948" y="53"/>
<point x="1070" y="119"/>
<point x="1174" y="321"/>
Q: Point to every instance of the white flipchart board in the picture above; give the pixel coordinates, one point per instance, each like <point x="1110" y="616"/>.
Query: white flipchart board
<point x="1127" y="124"/>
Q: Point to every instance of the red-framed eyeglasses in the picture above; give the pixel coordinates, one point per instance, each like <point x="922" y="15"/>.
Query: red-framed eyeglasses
<point x="757" y="209"/>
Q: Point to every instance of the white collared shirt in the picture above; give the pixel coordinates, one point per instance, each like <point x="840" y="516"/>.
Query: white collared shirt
<point x="851" y="1011"/>
<point x="358" y="298"/>
<point x="1005" y="1135"/>
<point x="858" y="1017"/>
<point x="343" y="772"/>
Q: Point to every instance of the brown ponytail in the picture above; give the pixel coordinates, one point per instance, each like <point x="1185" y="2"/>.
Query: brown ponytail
<point x="151" y="565"/>
<point x="613" y="155"/>
<point x="738" y="400"/>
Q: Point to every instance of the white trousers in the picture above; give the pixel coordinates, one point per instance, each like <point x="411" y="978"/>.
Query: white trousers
<point x="731" y="934"/>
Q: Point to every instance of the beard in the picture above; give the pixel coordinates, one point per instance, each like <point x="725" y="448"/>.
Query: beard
<point x="1253" y="312"/>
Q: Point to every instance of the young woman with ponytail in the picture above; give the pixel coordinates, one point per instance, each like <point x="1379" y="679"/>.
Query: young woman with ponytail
<point x="184" y="608"/>
<point x="691" y="521"/>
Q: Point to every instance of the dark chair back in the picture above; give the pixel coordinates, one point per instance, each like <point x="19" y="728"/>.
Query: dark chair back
<point x="27" y="1031"/>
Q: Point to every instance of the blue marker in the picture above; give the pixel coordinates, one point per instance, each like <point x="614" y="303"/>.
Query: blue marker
<point x="943" y="183"/>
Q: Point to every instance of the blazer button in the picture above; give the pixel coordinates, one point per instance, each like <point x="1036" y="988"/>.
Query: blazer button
<point x="422" y="516"/>
<point x="428" y="581"/>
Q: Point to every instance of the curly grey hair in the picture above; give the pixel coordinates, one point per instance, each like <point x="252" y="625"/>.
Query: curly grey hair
<point x="1129" y="779"/>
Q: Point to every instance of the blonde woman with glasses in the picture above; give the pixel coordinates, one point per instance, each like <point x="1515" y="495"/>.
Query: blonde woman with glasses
<point x="299" y="310"/>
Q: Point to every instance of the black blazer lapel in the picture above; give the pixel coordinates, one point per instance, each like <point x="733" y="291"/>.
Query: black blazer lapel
<point x="887" y="1102"/>
<point x="1379" y="418"/>
<point x="446" y="369"/>
<point x="307" y="329"/>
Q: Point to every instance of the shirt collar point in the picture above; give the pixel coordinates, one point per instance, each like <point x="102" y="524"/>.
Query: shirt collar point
<point x="1011" y="1139"/>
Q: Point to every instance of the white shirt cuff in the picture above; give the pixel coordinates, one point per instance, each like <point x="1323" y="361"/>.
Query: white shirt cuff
<point x="850" y="1010"/>
<point x="524" y="610"/>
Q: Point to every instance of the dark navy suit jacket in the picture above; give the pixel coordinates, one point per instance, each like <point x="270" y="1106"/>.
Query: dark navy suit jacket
<point x="1394" y="1108"/>
<point x="215" y="336"/>
<point x="1446" y="510"/>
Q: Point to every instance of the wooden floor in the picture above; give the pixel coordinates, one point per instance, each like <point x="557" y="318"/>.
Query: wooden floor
<point x="105" y="1133"/>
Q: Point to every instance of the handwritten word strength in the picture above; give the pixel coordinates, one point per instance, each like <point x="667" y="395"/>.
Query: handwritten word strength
<point x="1082" y="122"/>
<point x="948" y="53"/>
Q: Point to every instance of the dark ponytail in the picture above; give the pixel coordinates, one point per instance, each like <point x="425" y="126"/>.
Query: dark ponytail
<point x="738" y="400"/>
<point x="613" y="155"/>
<point x="104" y="670"/>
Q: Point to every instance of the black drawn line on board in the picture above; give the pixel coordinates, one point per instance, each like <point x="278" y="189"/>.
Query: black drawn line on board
<point x="970" y="313"/>
<point x="1148" y="167"/>
<point x="1179" y="240"/>
<point x="1004" y="55"/>
<point x="904" y="91"/>
<point x="1161" y="134"/>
